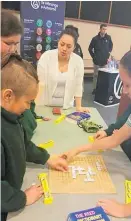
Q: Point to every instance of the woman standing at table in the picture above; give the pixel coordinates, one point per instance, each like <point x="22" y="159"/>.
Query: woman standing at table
<point x="61" y="74"/>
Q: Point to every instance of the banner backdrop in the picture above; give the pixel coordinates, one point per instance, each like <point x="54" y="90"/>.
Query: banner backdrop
<point x="43" y="23"/>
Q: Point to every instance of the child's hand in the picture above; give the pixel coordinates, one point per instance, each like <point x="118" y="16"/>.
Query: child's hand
<point x="100" y="134"/>
<point x="58" y="163"/>
<point x="33" y="194"/>
<point x="112" y="207"/>
<point x="46" y="119"/>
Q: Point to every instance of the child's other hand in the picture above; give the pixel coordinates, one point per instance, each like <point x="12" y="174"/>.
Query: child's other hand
<point x="46" y="119"/>
<point x="100" y="134"/>
<point x="33" y="194"/>
<point x="112" y="207"/>
<point x="58" y="163"/>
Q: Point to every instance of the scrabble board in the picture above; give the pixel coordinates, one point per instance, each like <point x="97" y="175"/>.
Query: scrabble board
<point x="100" y="182"/>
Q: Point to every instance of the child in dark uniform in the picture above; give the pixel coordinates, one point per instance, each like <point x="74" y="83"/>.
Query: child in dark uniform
<point x="19" y="86"/>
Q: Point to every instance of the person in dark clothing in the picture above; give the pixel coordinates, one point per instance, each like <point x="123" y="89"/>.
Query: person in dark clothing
<point x="100" y="48"/>
<point x="112" y="207"/>
<point x="77" y="49"/>
<point x="19" y="86"/>
<point x="11" y="31"/>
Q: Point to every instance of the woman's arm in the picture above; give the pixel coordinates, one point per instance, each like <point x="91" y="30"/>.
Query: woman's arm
<point x="109" y="142"/>
<point x="106" y="143"/>
<point x="78" y="103"/>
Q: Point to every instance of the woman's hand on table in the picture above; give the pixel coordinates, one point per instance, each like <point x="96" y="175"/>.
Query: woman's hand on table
<point x="82" y="109"/>
<point x="100" y="134"/>
<point x="58" y="163"/>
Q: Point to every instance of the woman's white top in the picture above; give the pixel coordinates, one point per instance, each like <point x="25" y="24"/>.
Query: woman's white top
<point x="59" y="93"/>
<point x="48" y="73"/>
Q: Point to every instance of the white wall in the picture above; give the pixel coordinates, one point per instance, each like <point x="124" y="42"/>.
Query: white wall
<point x="121" y="37"/>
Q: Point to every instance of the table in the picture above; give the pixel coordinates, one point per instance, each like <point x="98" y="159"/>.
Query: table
<point x="108" y="89"/>
<point x="116" y="162"/>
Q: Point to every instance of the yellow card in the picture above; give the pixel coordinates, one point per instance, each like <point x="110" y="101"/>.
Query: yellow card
<point x="48" y="199"/>
<point x="50" y="143"/>
<point x="128" y="191"/>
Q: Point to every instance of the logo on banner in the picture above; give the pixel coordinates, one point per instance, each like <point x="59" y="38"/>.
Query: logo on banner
<point x="35" y="4"/>
<point x="39" y="31"/>
<point x="49" y="24"/>
<point x="39" y="39"/>
<point x="39" y="22"/>
<point x="38" y="55"/>
<point x="39" y="47"/>
<point x="48" y="31"/>
<point x="48" y="40"/>
<point x="48" y="47"/>
<point x="118" y="87"/>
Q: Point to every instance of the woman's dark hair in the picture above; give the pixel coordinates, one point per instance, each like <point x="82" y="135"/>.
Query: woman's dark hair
<point x="71" y="32"/>
<point x="73" y="27"/>
<point x="10" y="24"/>
<point x="126" y="62"/>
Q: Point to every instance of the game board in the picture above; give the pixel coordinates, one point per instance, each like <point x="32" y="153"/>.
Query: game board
<point x="67" y="182"/>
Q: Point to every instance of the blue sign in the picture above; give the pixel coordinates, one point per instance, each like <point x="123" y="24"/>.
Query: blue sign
<point x="95" y="214"/>
<point x="43" y="22"/>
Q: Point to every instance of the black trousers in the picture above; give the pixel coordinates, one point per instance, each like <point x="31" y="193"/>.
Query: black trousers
<point x="4" y="216"/>
<point x="126" y="146"/>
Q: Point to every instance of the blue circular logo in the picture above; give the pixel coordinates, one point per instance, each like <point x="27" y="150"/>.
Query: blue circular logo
<point x="48" y="47"/>
<point x="49" y="24"/>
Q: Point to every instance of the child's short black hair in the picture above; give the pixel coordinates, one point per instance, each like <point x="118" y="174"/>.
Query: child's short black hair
<point x="103" y="25"/>
<point x="10" y="24"/>
<point x="17" y="74"/>
<point x="126" y="62"/>
<point x="71" y="32"/>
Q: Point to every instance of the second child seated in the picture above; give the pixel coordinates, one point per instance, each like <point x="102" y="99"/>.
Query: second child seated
<point x="61" y="74"/>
